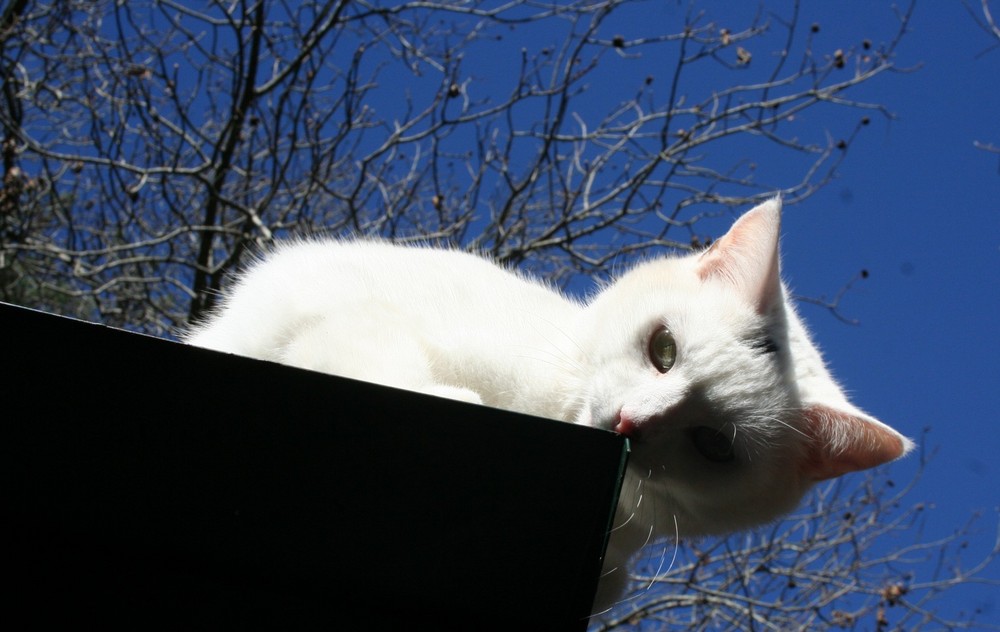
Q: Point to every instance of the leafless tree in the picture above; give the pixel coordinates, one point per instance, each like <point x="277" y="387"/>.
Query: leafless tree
<point x="984" y="18"/>
<point x="148" y="147"/>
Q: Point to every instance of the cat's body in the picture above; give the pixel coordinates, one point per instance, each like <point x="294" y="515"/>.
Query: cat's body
<point x="438" y="321"/>
<point x="699" y="359"/>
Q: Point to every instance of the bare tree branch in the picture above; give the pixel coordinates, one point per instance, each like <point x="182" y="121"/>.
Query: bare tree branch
<point x="149" y="146"/>
<point x="152" y="144"/>
<point x="988" y="23"/>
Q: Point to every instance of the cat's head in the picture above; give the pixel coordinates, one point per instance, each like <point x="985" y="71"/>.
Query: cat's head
<point x="732" y="415"/>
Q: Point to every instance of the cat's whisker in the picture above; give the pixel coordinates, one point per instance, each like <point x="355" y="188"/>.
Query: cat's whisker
<point x="659" y="570"/>
<point x="635" y="493"/>
<point x="789" y="426"/>
<point x="622" y="525"/>
<point x="553" y="360"/>
<point x="561" y="331"/>
<point x="555" y="351"/>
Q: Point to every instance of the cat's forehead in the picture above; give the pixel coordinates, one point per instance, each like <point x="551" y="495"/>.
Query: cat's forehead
<point x="672" y="287"/>
<point x="665" y="276"/>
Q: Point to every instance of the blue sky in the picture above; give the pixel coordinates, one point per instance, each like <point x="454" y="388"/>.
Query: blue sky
<point x="918" y="206"/>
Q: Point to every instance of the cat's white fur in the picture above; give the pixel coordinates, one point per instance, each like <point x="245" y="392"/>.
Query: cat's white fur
<point x="453" y="324"/>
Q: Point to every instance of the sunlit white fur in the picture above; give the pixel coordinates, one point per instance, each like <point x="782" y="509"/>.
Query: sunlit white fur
<point x="453" y="324"/>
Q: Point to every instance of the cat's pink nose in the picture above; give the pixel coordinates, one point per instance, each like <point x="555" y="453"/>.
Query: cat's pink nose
<point x="626" y="426"/>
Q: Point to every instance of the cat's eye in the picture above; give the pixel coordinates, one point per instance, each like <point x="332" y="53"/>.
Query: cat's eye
<point x="713" y="444"/>
<point x="662" y="350"/>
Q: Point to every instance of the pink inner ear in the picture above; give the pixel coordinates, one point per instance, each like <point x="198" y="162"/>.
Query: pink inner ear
<point x="844" y="442"/>
<point x="746" y="257"/>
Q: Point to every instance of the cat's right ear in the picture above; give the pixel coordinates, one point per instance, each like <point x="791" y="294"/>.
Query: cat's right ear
<point x="844" y="440"/>
<point x="746" y="257"/>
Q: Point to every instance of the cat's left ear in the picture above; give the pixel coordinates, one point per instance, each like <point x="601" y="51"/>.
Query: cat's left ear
<point x="844" y="440"/>
<point x="746" y="257"/>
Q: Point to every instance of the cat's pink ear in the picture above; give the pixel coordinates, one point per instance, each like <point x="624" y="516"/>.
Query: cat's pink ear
<point x="843" y="441"/>
<point x="747" y="256"/>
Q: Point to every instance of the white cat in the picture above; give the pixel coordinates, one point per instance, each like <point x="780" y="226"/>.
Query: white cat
<point x="699" y="359"/>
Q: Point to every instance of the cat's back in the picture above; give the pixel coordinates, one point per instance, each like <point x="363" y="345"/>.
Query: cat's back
<point x="321" y="271"/>
<point x="371" y="263"/>
<point x="298" y="281"/>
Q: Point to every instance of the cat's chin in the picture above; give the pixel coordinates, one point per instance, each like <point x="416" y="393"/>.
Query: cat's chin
<point x="667" y="487"/>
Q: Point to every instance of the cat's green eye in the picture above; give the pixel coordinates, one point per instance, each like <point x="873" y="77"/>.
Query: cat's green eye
<point x="713" y="444"/>
<point x="662" y="350"/>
